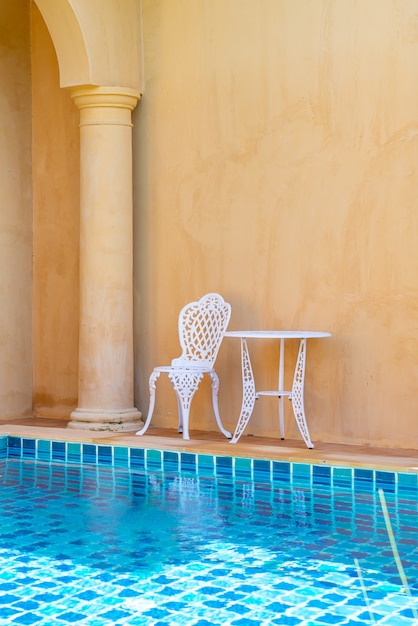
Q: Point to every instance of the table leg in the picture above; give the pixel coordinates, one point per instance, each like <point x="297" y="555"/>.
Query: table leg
<point x="297" y="394"/>
<point x="281" y="388"/>
<point x="248" y="392"/>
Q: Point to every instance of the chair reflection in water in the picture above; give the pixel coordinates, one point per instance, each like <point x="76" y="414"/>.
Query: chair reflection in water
<point x="201" y="328"/>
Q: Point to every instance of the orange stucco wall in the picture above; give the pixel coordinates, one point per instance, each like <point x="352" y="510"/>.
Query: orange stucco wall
<point x="276" y="162"/>
<point x="15" y="211"/>
<point x="56" y="232"/>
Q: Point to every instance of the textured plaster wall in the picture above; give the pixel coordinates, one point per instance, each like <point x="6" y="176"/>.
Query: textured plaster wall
<point x="276" y="161"/>
<point x="15" y="212"/>
<point x="56" y="232"/>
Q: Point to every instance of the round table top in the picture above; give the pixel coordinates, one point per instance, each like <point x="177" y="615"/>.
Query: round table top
<point x="276" y="334"/>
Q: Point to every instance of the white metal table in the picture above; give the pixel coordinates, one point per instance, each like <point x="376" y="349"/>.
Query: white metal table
<point x="250" y="395"/>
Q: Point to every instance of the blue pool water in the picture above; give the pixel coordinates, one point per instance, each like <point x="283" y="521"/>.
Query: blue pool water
<point x="132" y="537"/>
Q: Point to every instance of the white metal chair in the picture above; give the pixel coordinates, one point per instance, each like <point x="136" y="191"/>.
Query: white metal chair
<point x="201" y="328"/>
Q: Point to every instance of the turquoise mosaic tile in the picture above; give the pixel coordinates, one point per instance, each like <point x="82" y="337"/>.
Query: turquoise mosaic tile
<point x="243" y="468"/>
<point x="261" y="470"/>
<point x="342" y="477"/>
<point x="44" y="450"/>
<point x="105" y="455"/>
<point x="188" y="462"/>
<point x="14" y="447"/>
<point x="170" y="461"/>
<point x="120" y="457"/>
<point x="281" y="471"/>
<point x="29" y="448"/>
<point x="302" y="472"/>
<point x="407" y="481"/>
<point x="206" y="464"/>
<point x="89" y="453"/>
<point x="136" y="458"/>
<point x="73" y="452"/>
<point x="363" y="478"/>
<point x="224" y="465"/>
<point x="321" y="475"/>
<point x="153" y="459"/>
<point x="58" y="450"/>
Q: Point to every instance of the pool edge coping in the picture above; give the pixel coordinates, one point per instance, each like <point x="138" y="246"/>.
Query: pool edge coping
<point x="155" y="442"/>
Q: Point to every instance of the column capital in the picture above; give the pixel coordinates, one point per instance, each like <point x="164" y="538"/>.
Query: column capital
<point x="105" y="105"/>
<point x="120" y="97"/>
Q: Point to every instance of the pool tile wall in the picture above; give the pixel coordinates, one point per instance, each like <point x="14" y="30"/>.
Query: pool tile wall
<point x="247" y="469"/>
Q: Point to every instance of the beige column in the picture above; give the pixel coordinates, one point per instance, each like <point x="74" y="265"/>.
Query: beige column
<point x="105" y="387"/>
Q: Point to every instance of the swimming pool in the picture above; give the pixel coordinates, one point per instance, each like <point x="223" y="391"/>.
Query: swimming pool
<point x="94" y="535"/>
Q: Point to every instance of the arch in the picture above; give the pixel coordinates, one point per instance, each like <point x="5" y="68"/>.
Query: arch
<point x="96" y="42"/>
<point x="68" y="39"/>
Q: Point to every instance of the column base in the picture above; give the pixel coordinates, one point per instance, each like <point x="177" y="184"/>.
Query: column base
<point x="122" y="420"/>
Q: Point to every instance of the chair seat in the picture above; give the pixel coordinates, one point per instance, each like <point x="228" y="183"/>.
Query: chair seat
<point x="180" y="362"/>
<point x="183" y="368"/>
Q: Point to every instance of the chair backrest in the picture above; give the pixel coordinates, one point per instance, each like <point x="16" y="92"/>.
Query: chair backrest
<point x="201" y="328"/>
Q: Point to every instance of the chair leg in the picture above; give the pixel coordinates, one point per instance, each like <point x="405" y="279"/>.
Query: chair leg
<point x="152" y="388"/>
<point x="215" y="388"/>
<point x="185" y="384"/>
<point x="185" y="423"/>
<point x="180" y="412"/>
